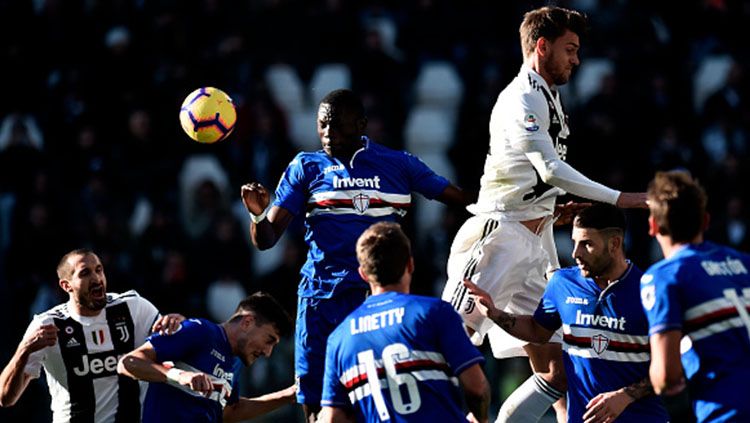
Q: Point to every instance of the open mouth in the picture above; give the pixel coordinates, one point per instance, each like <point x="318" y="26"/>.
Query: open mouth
<point x="97" y="292"/>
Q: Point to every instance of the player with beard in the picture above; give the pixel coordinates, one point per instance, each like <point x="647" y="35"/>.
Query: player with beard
<point x="507" y="247"/>
<point x="78" y="344"/>
<point x="193" y="371"/>
<point x="605" y="331"/>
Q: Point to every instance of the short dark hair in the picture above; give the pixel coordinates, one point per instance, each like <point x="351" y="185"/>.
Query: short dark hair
<point x="265" y="309"/>
<point x="549" y="22"/>
<point x="606" y="219"/>
<point x="383" y="252"/>
<point x="601" y="216"/>
<point x="343" y="99"/>
<point x="64" y="270"/>
<point x="678" y="205"/>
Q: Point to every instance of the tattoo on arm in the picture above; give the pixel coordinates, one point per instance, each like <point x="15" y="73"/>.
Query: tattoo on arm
<point x="505" y="320"/>
<point x="640" y="389"/>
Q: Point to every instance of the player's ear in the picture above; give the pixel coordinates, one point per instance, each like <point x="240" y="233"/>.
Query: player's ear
<point x="706" y="222"/>
<point x="248" y="321"/>
<point x="362" y="273"/>
<point x="362" y="124"/>
<point x="616" y="243"/>
<point x="542" y="44"/>
<point x="653" y="228"/>
<point x="65" y="285"/>
<point x="410" y="265"/>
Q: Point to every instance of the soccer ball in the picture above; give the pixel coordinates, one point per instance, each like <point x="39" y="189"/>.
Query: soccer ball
<point x="208" y="115"/>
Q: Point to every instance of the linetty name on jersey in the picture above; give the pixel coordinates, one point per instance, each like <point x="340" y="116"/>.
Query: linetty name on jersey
<point x="377" y="321"/>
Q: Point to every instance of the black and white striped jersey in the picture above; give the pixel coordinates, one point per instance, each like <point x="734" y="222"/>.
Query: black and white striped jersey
<point x="81" y="369"/>
<point x="525" y="168"/>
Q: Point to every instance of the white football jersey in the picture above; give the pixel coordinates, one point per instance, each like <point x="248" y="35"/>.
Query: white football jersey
<point x="528" y="128"/>
<point x="81" y="368"/>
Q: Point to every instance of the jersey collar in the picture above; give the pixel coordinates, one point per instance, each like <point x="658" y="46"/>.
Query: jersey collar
<point x="526" y="69"/>
<point x="365" y="146"/>
<point x="611" y="286"/>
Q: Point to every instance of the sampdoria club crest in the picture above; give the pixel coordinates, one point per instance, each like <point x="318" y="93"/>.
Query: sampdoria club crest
<point x="599" y="343"/>
<point x="361" y="203"/>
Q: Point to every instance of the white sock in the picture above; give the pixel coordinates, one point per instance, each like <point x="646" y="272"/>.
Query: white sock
<point x="528" y="402"/>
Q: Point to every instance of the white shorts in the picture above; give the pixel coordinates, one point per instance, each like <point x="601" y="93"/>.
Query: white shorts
<point x="507" y="260"/>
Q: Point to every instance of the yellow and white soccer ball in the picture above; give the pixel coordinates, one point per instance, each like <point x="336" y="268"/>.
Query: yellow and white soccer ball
<point x="208" y="115"/>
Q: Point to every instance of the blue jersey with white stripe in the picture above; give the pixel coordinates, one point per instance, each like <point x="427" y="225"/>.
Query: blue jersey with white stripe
<point x="703" y="290"/>
<point x="397" y="358"/>
<point x="342" y="199"/>
<point x="199" y="345"/>
<point x="605" y="339"/>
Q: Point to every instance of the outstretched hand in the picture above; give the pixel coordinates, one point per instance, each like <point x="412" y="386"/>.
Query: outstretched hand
<point x="255" y="197"/>
<point x="167" y="325"/>
<point x="605" y="407"/>
<point x="482" y="298"/>
<point x="565" y="213"/>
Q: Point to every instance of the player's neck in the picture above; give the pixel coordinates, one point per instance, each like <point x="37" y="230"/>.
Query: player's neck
<point x="402" y="286"/>
<point x="613" y="274"/>
<point x="81" y="310"/>
<point x="669" y="247"/>
<point x="398" y="287"/>
<point x="534" y="62"/>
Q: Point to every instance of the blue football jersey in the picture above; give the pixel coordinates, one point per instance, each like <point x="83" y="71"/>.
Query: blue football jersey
<point x="397" y="358"/>
<point x="342" y="199"/>
<point x="703" y="290"/>
<point x="199" y="345"/>
<point x="605" y="340"/>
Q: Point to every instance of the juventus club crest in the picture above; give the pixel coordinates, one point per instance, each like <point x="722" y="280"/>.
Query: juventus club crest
<point x="122" y="331"/>
<point x="599" y="343"/>
<point x="361" y="203"/>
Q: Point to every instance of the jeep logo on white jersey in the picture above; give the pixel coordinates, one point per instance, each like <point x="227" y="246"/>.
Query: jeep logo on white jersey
<point x="99" y="365"/>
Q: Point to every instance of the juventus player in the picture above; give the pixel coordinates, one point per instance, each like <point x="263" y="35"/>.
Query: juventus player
<point x="400" y="357"/>
<point x="507" y="246"/>
<point x="698" y="305"/>
<point x="79" y="343"/>
<point x="340" y="190"/>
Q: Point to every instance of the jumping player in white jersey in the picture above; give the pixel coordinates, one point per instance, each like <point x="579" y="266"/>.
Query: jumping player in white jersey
<point x="507" y="247"/>
<point x="78" y="344"/>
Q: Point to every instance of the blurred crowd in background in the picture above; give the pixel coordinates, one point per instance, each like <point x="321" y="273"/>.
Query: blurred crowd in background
<point x="92" y="154"/>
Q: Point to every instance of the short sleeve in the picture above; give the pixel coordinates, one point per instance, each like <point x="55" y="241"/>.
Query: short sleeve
<point x="292" y="189"/>
<point x="547" y="313"/>
<point x="528" y="119"/>
<point x="144" y="316"/>
<point x="659" y="297"/>
<point x="191" y="335"/>
<point x="454" y="344"/>
<point x="423" y="179"/>
<point x="334" y="392"/>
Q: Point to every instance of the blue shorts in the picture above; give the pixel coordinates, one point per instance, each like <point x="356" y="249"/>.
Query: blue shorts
<point x="316" y="319"/>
